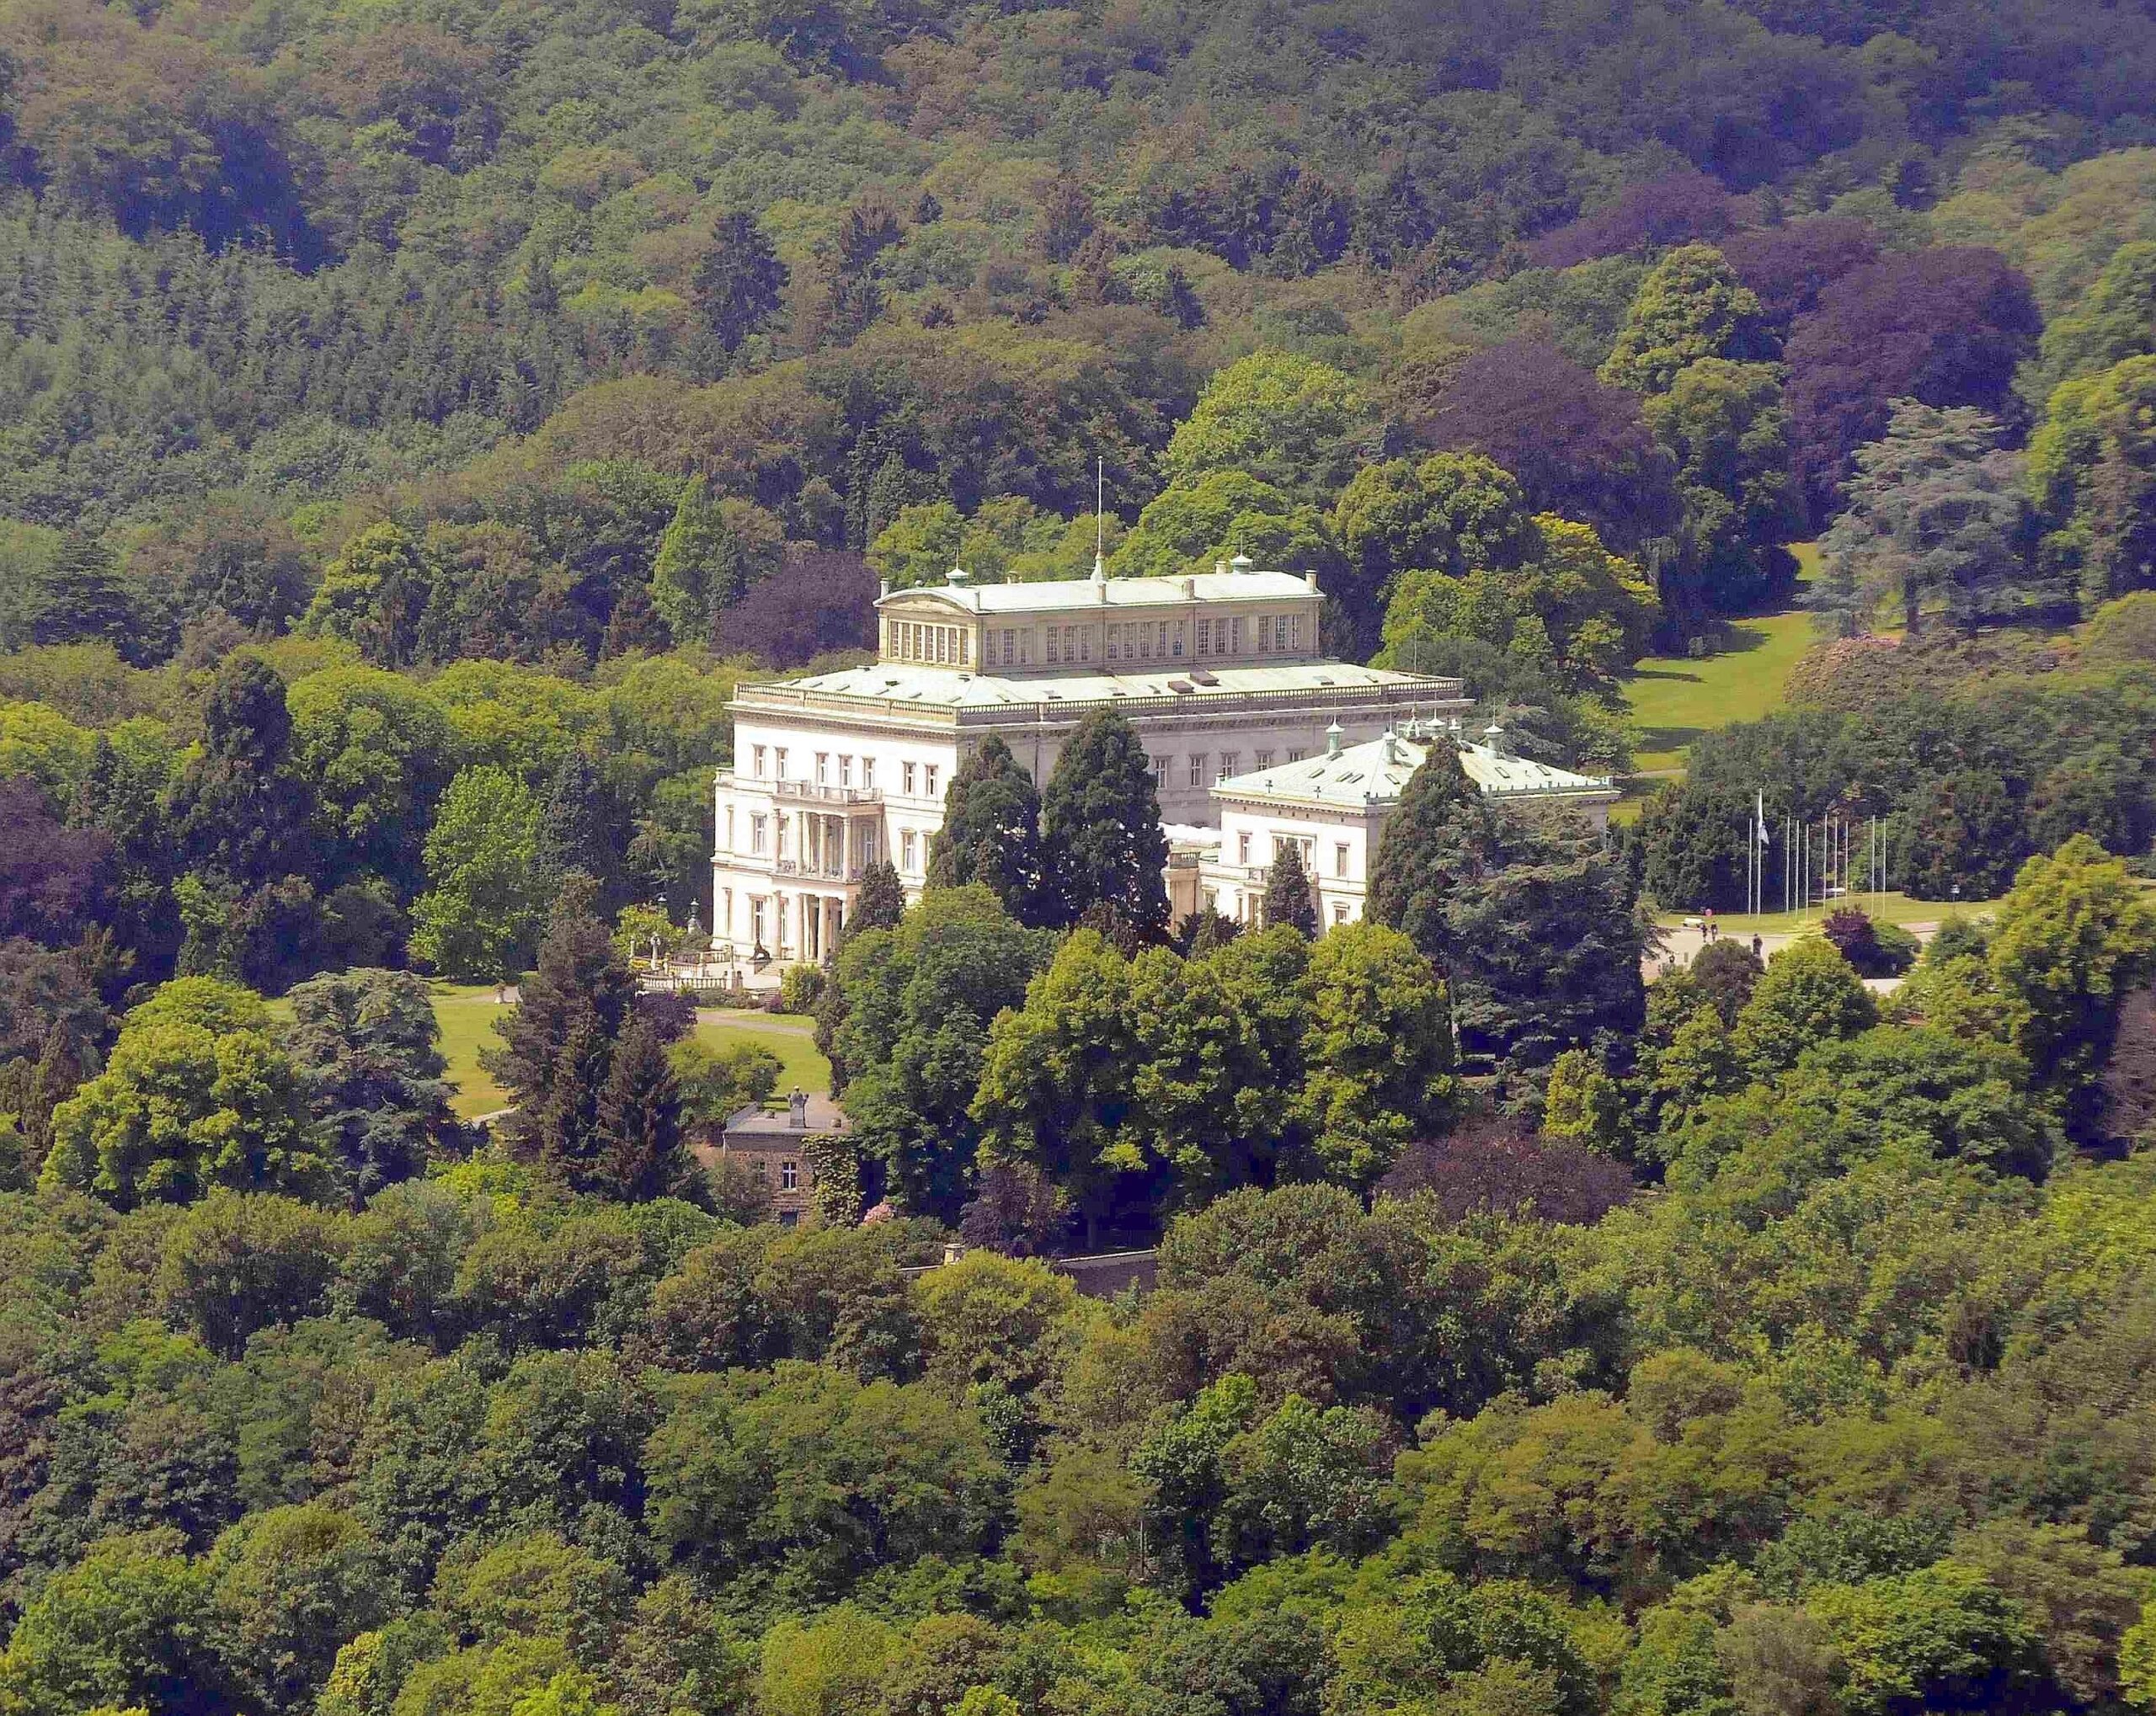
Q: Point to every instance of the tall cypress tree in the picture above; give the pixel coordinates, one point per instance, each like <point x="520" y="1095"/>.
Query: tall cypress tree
<point x="556" y="1043"/>
<point x="639" y="1154"/>
<point x="81" y="594"/>
<point x="242" y="812"/>
<point x="991" y="831"/>
<point x="738" y="281"/>
<point x="1441" y="834"/>
<point x="881" y="902"/>
<point x="1101" y="838"/>
<point x="1287" y="900"/>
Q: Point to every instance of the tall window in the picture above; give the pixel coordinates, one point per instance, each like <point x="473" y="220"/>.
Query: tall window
<point x="789" y="1176"/>
<point x="1115" y="642"/>
<point x="1279" y="632"/>
<point x="778" y="762"/>
<point x="906" y="847"/>
<point x="756" y="835"/>
<point x="1263" y="759"/>
<point x="1054" y="639"/>
<point x="1230" y="762"/>
<point x="1340" y="858"/>
<point x="1204" y="637"/>
<point x="729" y="828"/>
<point x="1242" y="849"/>
<point x="930" y="771"/>
<point x="868" y="773"/>
<point x="846" y="771"/>
<point x="907" y="776"/>
<point x="1235" y="636"/>
<point x="1198" y="768"/>
<point x="823" y="768"/>
<point x="759" y="753"/>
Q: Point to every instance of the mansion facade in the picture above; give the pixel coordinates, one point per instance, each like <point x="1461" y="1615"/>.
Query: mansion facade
<point x="1332" y="806"/>
<point x="1219" y="673"/>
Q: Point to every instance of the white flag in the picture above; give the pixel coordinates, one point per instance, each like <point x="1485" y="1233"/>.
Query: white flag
<point x="1759" y="817"/>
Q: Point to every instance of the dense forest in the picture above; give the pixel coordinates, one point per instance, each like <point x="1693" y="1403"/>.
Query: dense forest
<point x="416" y="420"/>
<point x="1801" y="1365"/>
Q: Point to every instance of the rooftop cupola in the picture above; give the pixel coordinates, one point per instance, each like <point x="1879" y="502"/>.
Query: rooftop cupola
<point x="958" y="575"/>
<point x="1241" y="562"/>
<point x="1332" y="738"/>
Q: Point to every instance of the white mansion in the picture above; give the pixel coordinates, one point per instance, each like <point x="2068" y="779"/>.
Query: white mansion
<point x="1255" y="738"/>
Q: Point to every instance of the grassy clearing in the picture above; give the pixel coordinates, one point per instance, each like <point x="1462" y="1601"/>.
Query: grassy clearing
<point x="786" y="1035"/>
<point x="1672" y="700"/>
<point x="466" y="1013"/>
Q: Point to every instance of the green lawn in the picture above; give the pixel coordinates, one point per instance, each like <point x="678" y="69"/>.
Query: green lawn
<point x="786" y="1035"/>
<point x="1672" y="700"/>
<point x="466" y="1013"/>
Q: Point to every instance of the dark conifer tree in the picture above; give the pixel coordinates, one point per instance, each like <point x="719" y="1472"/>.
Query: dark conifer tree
<point x="1288" y="898"/>
<point x="882" y="901"/>
<point x="556" y="1043"/>
<point x="1442" y="835"/>
<point x="81" y="595"/>
<point x="242" y="813"/>
<point x="1101" y="838"/>
<point x="562" y="1138"/>
<point x="122" y="802"/>
<point x="639" y="1152"/>
<point x="740" y="281"/>
<point x="991" y="831"/>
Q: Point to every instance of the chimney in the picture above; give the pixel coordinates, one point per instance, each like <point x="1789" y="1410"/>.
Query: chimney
<point x="1332" y="736"/>
<point x="797" y="1109"/>
<point x="883" y="587"/>
<point x="1221" y="567"/>
<point x="1309" y="576"/>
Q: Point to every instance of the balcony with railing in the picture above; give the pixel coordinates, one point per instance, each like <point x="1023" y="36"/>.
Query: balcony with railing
<point x="802" y="791"/>
<point x="814" y="792"/>
<point x="810" y="869"/>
